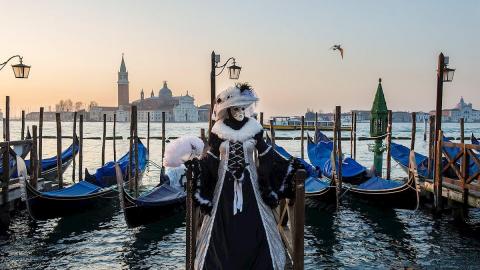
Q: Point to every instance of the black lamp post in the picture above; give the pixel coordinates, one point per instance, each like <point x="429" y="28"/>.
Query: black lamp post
<point x="234" y="74"/>
<point x="20" y="70"/>
<point x="444" y="74"/>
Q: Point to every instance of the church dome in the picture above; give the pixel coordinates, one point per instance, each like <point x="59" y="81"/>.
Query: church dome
<point x="165" y="91"/>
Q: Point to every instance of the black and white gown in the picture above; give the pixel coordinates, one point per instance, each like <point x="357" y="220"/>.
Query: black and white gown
<point x="240" y="231"/>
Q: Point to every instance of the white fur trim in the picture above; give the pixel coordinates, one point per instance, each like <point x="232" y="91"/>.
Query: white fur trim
<point x="250" y="129"/>
<point x="201" y="200"/>
<point x="182" y="149"/>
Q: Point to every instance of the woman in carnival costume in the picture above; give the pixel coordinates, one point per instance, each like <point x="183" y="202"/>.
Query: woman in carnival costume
<point x="239" y="230"/>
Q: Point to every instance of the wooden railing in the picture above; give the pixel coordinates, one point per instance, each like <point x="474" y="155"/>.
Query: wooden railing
<point x="456" y="171"/>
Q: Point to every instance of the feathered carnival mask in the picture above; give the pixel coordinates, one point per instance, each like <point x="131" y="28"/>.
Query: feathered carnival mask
<point x="240" y="95"/>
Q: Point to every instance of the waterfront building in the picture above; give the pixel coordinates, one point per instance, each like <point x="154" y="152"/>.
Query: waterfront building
<point x="462" y="110"/>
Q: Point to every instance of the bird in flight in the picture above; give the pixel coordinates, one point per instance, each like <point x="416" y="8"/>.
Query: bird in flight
<point x="339" y="48"/>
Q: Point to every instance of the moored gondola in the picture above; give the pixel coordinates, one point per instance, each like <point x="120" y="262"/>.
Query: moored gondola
<point x="474" y="140"/>
<point x="154" y="205"/>
<point x="79" y="197"/>
<point x="317" y="191"/>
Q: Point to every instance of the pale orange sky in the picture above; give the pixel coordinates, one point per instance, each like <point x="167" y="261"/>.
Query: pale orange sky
<point x="75" y="49"/>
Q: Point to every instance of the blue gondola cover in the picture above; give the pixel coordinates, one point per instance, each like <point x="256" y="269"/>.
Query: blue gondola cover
<point x="377" y="183"/>
<point x="81" y="188"/>
<point x="164" y="194"/>
<point x="401" y="154"/>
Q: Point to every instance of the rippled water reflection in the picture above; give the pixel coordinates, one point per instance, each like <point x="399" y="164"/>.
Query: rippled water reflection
<point x="354" y="236"/>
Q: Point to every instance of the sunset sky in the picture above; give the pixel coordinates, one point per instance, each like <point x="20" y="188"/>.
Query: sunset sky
<point x="75" y="49"/>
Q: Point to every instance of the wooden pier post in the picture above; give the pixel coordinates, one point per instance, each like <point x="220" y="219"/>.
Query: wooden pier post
<point x="74" y="133"/>
<point x="7" y="118"/>
<point x="338" y="112"/>
<point x="431" y="144"/>
<point x="131" y="185"/>
<point x="104" y="135"/>
<point x="137" y="170"/>
<point x="114" y="137"/>
<point x="414" y="130"/>
<point x="190" y="224"/>
<point x="389" y="143"/>
<point x="148" y="132"/>
<point x="164" y="139"/>
<point x="425" y="127"/>
<point x="302" y="134"/>
<point x="354" y="135"/>
<point x="438" y="172"/>
<point x="40" y="141"/>
<point x="80" y="148"/>
<point x="59" y="151"/>
<point x="272" y="133"/>
<point x="34" y="159"/>
<point x="22" y="131"/>
<point x="5" y="207"/>
<point x="462" y="130"/>
<point x="337" y="152"/>
<point x="261" y="118"/>
<point x="299" y="221"/>
<point x="316" y="127"/>
<point x="351" y="133"/>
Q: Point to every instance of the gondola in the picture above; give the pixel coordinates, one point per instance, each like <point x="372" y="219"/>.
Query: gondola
<point x="49" y="165"/>
<point x="105" y="176"/>
<point x="316" y="190"/>
<point x="154" y="205"/>
<point x="320" y="156"/>
<point x="401" y="154"/>
<point x="79" y="197"/>
<point x="381" y="192"/>
<point x="475" y="140"/>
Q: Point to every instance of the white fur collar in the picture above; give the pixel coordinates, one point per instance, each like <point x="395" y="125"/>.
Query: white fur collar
<point x="250" y="129"/>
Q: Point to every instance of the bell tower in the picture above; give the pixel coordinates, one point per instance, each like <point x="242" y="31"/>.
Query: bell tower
<point x="123" y="91"/>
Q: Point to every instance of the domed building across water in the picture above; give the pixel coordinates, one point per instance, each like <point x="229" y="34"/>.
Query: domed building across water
<point x="176" y="108"/>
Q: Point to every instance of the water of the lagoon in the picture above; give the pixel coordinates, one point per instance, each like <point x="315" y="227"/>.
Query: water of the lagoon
<point x="355" y="236"/>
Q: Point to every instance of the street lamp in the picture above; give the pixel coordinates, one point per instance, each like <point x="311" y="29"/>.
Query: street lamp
<point x="234" y="74"/>
<point x="444" y="74"/>
<point x="20" y="70"/>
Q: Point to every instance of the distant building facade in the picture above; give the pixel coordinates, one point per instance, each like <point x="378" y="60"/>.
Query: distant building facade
<point x="462" y="110"/>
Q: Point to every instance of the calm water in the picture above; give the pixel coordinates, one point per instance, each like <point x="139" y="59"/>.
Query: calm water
<point x="355" y="236"/>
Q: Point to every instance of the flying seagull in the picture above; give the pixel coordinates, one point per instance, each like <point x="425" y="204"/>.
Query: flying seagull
<point x="338" y="47"/>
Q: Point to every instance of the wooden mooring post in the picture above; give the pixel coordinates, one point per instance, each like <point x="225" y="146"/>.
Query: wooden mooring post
<point x="337" y="152"/>
<point x="80" y="148"/>
<point x="315" y="136"/>
<point x="34" y="159"/>
<point x="261" y="118"/>
<point x="389" y="143"/>
<point x="190" y="224"/>
<point x="104" y="135"/>
<point x="114" y="137"/>
<point x="272" y="133"/>
<point x="40" y="141"/>
<point x="7" y="118"/>
<point x="148" y="132"/>
<point x="414" y="131"/>
<point x="59" y="150"/>
<point x="131" y="185"/>
<point x="164" y="140"/>
<point x="354" y="128"/>
<point x="431" y="144"/>
<point x="437" y="186"/>
<point x="22" y="131"/>
<point x="302" y="135"/>
<point x="74" y="133"/>
<point x="462" y="130"/>
<point x="137" y="169"/>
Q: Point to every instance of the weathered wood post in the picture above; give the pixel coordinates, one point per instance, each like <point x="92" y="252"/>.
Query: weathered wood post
<point x="40" y="141"/>
<point x="74" y="133"/>
<point x="462" y="130"/>
<point x="22" y="132"/>
<point x="7" y="118"/>
<point x="315" y="137"/>
<point x="299" y="221"/>
<point x="163" y="139"/>
<point x="137" y="169"/>
<point x="302" y="134"/>
<point x="355" y="135"/>
<point x="131" y="185"/>
<point x="438" y="172"/>
<point x="80" y="148"/>
<point x="466" y="175"/>
<point x="104" y="135"/>
<point x="272" y="133"/>
<point x="351" y="133"/>
<point x="190" y="223"/>
<point x="431" y="144"/>
<point x="425" y="127"/>
<point x="389" y="143"/>
<point x="5" y="207"/>
<point x="148" y="132"/>
<point x="414" y="130"/>
<point x="261" y="118"/>
<point x="59" y="151"/>
<point x="338" y="113"/>
<point x="114" y="137"/>
<point x="34" y="159"/>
